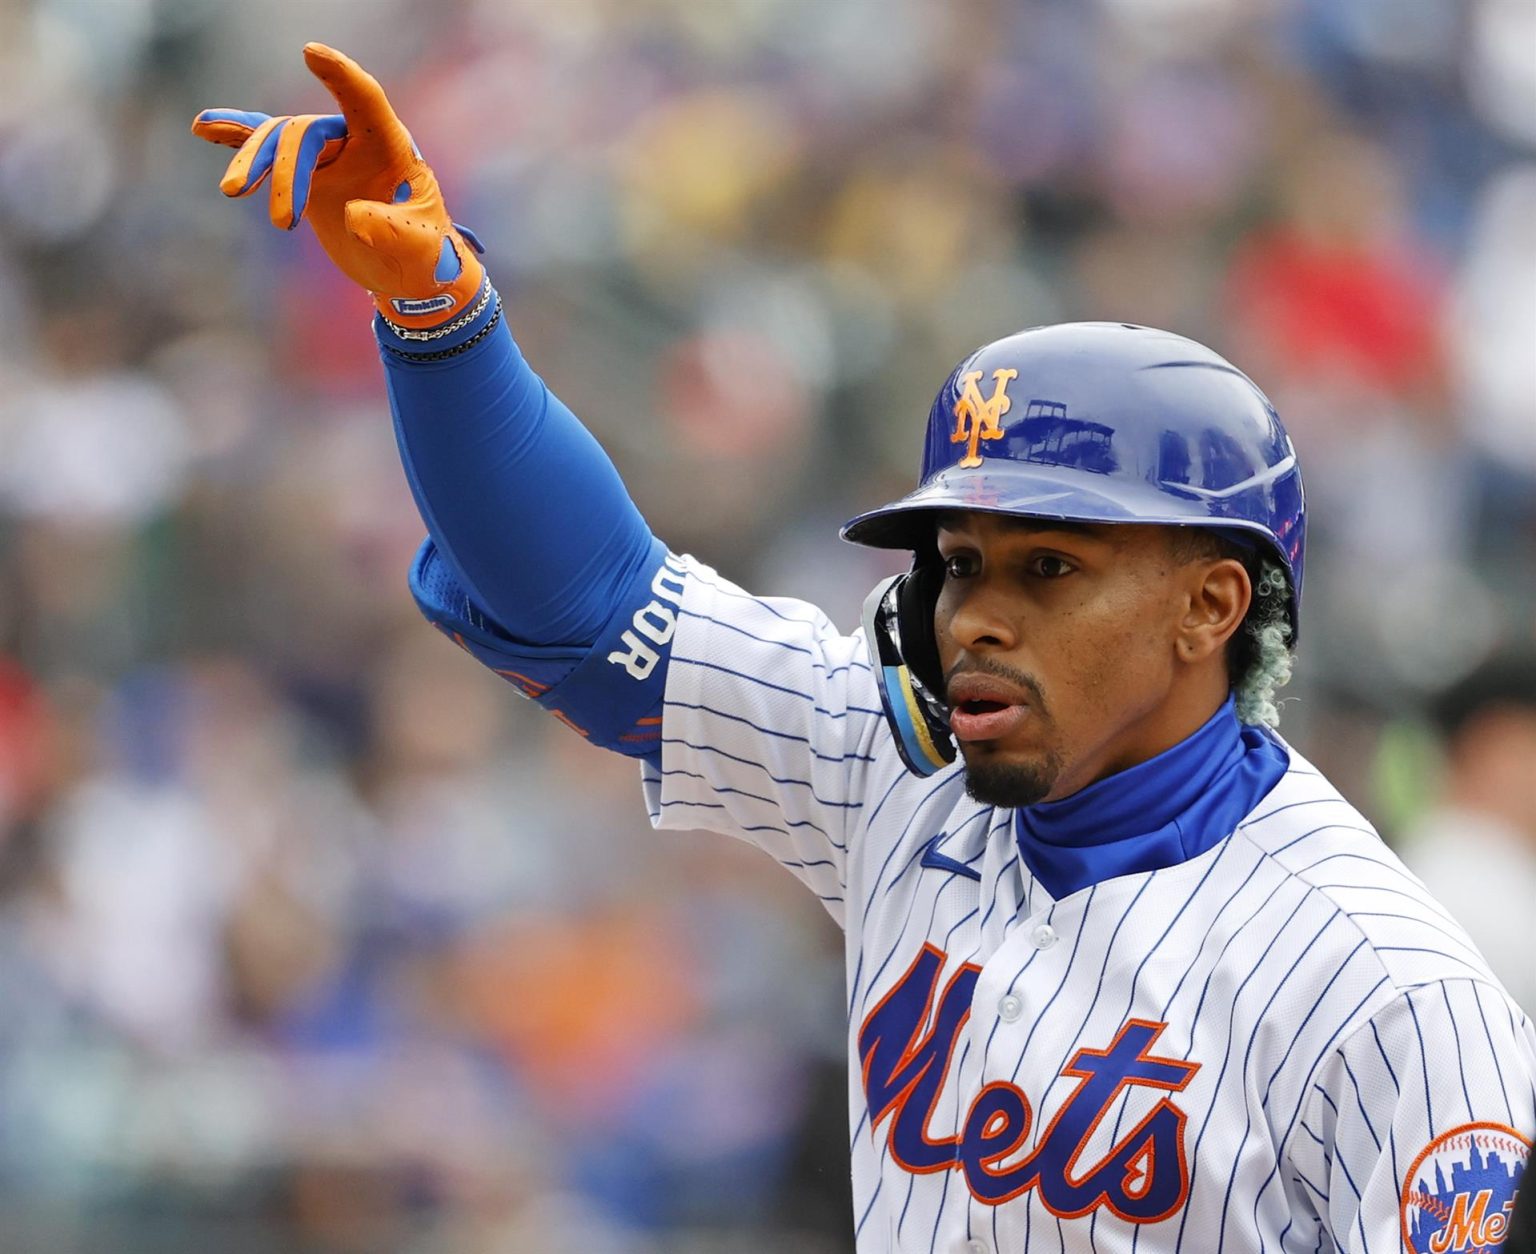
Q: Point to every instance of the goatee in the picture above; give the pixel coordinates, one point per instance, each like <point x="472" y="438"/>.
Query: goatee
<point x="1011" y="785"/>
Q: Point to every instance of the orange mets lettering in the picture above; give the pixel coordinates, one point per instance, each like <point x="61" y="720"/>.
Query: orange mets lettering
<point x="984" y="414"/>
<point x="1470" y="1226"/>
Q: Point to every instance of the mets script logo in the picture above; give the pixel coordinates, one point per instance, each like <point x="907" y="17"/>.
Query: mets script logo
<point x="905" y="1046"/>
<point x="1458" y="1195"/>
<point x="977" y="419"/>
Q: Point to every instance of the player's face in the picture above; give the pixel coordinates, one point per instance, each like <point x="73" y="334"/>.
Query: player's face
<point x="1071" y="651"/>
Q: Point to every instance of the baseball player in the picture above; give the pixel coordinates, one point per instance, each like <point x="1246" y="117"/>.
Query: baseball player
<point x="1124" y="972"/>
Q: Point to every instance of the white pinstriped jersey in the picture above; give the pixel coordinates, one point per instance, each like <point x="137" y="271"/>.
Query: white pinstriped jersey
<point x="1282" y="1044"/>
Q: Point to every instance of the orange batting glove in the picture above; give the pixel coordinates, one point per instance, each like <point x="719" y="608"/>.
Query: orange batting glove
<point x="360" y="181"/>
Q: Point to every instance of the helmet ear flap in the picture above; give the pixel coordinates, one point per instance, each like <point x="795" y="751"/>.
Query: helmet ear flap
<point x="915" y="602"/>
<point x="898" y="632"/>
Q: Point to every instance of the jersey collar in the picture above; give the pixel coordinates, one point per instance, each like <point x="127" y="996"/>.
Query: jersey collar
<point x="1158" y="813"/>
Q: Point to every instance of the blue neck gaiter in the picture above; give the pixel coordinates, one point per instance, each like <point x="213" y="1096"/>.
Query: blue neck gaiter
<point x="1157" y="813"/>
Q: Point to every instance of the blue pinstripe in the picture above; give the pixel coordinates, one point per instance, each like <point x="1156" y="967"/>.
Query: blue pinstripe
<point x="1104" y="966"/>
<point x="817" y="620"/>
<point x="875" y="980"/>
<point x="1377" y="863"/>
<point x="1001" y="871"/>
<point x="1227" y="1055"/>
<point x="1247" y="1057"/>
<point x="1301" y="1177"/>
<point x="873" y="1197"/>
<point x="670" y="703"/>
<point x="1424" y="949"/>
<point x="1265" y="817"/>
<point x="1492" y="1052"/>
<point x="815" y="662"/>
<point x="1045" y="1010"/>
<point x="1296" y="1037"/>
<point x="1420" y="899"/>
<point x="678" y="660"/>
<point x="1456" y="1033"/>
<point x="741" y="792"/>
<point x="1359" y="1101"/>
<point x="1316" y="831"/>
<point x="1259" y="865"/>
<point x="777" y="779"/>
<point x="1329" y="1047"/>
<point x="697" y="805"/>
<point x="770" y="827"/>
<point x="1387" y="1062"/>
<point x="1429" y="1102"/>
<point x="1221" y="853"/>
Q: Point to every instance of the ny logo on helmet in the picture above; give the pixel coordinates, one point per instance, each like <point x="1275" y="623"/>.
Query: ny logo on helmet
<point x="984" y="414"/>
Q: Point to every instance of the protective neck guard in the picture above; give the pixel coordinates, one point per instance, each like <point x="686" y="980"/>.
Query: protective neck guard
<point x="1158" y="813"/>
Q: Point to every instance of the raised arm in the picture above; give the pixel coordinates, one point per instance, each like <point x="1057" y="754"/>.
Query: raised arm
<point x="538" y="561"/>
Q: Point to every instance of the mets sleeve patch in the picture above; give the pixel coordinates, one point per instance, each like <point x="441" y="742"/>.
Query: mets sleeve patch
<point x="1460" y="1191"/>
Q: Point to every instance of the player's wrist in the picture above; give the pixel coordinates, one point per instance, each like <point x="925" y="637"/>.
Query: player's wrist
<point x="457" y="334"/>
<point x="442" y="307"/>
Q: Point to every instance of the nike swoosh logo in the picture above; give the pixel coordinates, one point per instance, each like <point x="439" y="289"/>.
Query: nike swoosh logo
<point x="943" y="862"/>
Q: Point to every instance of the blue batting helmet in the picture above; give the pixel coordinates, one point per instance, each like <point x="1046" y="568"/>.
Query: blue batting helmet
<point x="1091" y="422"/>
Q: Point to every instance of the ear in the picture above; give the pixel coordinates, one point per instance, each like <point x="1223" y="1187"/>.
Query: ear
<point x="1217" y="597"/>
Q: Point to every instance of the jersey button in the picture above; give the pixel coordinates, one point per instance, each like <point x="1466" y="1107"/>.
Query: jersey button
<point x="1043" y="937"/>
<point x="1009" y="1009"/>
<point x="975" y="1246"/>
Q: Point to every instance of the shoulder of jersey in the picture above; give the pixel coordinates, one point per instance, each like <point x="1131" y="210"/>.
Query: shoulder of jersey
<point x="1314" y="835"/>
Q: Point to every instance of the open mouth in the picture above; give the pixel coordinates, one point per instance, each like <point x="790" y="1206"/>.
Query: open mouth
<point x="982" y="707"/>
<point x="986" y="719"/>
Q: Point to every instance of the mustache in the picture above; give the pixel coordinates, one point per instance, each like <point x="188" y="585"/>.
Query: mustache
<point x="1000" y="670"/>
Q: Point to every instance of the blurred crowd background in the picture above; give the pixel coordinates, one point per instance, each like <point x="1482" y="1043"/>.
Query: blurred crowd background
<point x="312" y="937"/>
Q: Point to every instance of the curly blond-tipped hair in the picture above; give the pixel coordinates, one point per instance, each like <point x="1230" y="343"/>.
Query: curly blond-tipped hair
<point x="1259" y="652"/>
<point x="1266" y="632"/>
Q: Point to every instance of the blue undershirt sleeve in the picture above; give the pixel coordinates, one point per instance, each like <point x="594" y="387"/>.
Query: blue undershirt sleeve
<point x="537" y="561"/>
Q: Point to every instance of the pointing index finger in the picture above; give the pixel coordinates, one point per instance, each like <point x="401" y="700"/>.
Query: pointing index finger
<point x="357" y="92"/>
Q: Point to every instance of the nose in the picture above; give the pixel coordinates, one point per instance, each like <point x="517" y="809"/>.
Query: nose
<point x="980" y="616"/>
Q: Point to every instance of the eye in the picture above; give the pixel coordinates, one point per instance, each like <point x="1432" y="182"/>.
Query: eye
<point x="1049" y="566"/>
<point x="960" y="566"/>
